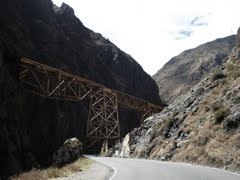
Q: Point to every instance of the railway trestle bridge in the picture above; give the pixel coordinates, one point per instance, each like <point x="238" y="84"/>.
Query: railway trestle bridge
<point x="103" y="119"/>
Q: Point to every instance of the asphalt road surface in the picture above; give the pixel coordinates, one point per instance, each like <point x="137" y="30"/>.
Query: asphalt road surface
<point x="137" y="169"/>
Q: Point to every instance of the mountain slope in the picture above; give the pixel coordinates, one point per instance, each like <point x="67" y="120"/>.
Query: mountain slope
<point x="201" y="126"/>
<point x="188" y="68"/>
<point x="56" y="37"/>
<point x="31" y="127"/>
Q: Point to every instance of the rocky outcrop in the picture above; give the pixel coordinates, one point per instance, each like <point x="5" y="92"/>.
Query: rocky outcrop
<point x="54" y="36"/>
<point x="71" y="150"/>
<point x="238" y="36"/>
<point x="59" y="39"/>
<point x="200" y="126"/>
<point x="189" y="67"/>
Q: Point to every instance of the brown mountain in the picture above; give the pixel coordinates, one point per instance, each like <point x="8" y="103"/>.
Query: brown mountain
<point x="201" y="126"/>
<point x="189" y="67"/>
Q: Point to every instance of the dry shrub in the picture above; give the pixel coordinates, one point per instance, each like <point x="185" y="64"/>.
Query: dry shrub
<point x="54" y="172"/>
<point x="236" y="141"/>
<point x="216" y="106"/>
<point x="139" y="152"/>
<point x="222" y="138"/>
<point x="218" y="75"/>
<point x="156" y="152"/>
<point x="164" y="124"/>
<point x="201" y="141"/>
<point x="233" y="71"/>
<point x="220" y="114"/>
<point x="235" y="74"/>
<point x="33" y="174"/>
<point x="230" y="67"/>
<point x="198" y="155"/>
<point x="190" y="153"/>
<point x="207" y="131"/>
<point x="213" y="161"/>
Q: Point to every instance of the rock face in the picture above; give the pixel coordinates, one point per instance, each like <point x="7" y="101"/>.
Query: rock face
<point x="201" y="126"/>
<point x="53" y="35"/>
<point x="71" y="150"/>
<point x="188" y="68"/>
<point x="238" y="36"/>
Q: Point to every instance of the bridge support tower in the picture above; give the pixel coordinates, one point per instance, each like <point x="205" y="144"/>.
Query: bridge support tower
<point x="103" y="120"/>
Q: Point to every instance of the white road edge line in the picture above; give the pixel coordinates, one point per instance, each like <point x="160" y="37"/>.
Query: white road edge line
<point x="115" y="172"/>
<point x="196" y="165"/>
<point x="114" y="169"/>
<point x="218" y="169"/>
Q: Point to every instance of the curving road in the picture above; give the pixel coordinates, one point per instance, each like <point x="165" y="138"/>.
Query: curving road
<point x="138" y="169"/>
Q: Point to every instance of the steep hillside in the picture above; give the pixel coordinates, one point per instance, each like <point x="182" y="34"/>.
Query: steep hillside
<point x="202" y="126"/>
<point x="32" y="128"/>
<point x="56" y="37"/>
<point x="188" y="68"/>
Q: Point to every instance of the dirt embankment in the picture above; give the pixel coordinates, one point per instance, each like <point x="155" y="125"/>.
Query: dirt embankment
<point x="82" y="168"/>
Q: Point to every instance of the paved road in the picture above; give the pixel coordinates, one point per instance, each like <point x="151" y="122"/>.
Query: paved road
<point x="136" y="169"/>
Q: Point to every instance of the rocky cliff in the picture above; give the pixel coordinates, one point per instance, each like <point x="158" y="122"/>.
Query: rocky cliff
<point x="201" y="126"/>
<point x="189" y="67"/>
<point x="32" y="128"/>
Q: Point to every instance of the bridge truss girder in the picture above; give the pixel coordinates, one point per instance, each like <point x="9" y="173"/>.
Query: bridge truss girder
<point x="53" y="83"/>
<point x="103" y="121"/>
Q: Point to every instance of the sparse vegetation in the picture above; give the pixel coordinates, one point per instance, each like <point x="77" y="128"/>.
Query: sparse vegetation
<point x="220" y="114"/>
<point x="218" y="75"/>
<point x="165" y="123"/>
<point x="201" y="141"/>
<point x="54" y="172"/>
<point x="164" y="127"/>
<point x="206" y="128"/>
<point x="206" y="109"/>
<point x="230" y="67"/>
<point x="233" y="71"/>
<point x="216" y="106"/>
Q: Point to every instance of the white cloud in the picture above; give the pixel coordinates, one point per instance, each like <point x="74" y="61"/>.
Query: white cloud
<point x="153" y="31"/>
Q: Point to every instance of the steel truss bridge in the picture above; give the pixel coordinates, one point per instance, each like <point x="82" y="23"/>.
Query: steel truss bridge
<point x="103" y="119"/>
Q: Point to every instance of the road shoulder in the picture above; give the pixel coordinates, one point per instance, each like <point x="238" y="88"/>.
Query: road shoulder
<point x="96" y="171"/>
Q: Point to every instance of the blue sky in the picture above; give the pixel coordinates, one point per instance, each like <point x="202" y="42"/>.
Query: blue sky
<point x="153" y="31"/>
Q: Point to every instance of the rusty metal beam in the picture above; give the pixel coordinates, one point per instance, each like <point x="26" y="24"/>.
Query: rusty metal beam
<point x="56" y="79"/>
<point x="53" y="83"/>
<point x="131" y="102"/>
<point x="103" y="121"/>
